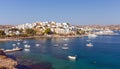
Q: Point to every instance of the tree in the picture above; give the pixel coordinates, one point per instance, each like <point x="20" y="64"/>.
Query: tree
<point x="2" y="33"/>
<point x="30" y="32"/>
<point x="48" y="31"/>
<point x="82" y="32"/>
<point x="13" y="29"/>
<point x="77" y="32"/>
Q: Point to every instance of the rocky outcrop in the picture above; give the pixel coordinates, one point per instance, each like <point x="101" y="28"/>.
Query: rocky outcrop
<point x="1" y="52"/>
<point x="6" y="62"/>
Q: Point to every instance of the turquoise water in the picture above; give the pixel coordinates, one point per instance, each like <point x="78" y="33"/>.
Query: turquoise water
<point x="105" y="53"/>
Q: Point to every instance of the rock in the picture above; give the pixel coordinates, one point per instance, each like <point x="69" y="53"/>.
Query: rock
<point x="1" y="52"/>
<point x="6" y="62"/>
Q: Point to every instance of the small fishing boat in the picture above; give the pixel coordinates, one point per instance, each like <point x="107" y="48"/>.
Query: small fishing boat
<point x="38" y="45"/>
<point x="13" y="50"/>
<point x="65" y="47"/>
<point x="18" y="43"/>
<point x="24" y="41"/>
<point x="27" y="46"/>
<point x="89" y="44"/>
<point x="92" y="36"/>
<point x="13" y="44"/>
<point x="65" y="44"/>
<point x="72" y="57"/>
<point x="27" y="50"/>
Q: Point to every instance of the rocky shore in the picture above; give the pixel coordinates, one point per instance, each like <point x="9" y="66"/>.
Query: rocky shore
<point x="6" y="62"/>
<point x="43" y="36"/>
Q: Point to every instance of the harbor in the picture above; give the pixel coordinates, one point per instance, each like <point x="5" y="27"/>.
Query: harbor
<point x="65" y="53"/>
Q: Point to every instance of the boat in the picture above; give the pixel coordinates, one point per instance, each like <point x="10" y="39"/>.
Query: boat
<point x="65" y="47"/>
<point x="88" y="40"/>
<point x="24" y="41"/>
<point x="13" y="50"/>
<point x="92" y="35"/>
<point x="19" y="40"/>
<point x="65" y="44"/>
<point x="89" y="44"/>
<point x="27" y="50"/>
<point x="18" y="43"/>
<point x="27" y="46"/>
<point x="72" y="57"/>
<point x="13" y="44"/>
<point x="38" y="45"/>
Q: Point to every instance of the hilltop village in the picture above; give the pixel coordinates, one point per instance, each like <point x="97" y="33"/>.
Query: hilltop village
<point x="53" y="29"/>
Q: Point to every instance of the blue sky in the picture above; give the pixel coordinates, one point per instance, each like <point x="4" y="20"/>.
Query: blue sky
<point x="72" y="11"/>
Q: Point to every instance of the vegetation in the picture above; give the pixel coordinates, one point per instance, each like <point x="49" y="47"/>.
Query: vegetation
<point x="80" y="32"/>
<point x="77" y="32"/>
<point x="48" y="31"/>
<point x="2" y="33"/>
<point x="13" y="29"/>
<point x="23" y="35"/>
<point x="30" y="32"/>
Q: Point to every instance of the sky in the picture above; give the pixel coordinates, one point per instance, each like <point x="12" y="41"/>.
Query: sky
<point x="76" y="12"/>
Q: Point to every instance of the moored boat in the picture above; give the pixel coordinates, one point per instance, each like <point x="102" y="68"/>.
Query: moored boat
<point x="65" y="47"/>
<point x="89" y="44"/>
<point x="13" y="50"/>
<point x="27" y="46"/>
<point x="72" y="57"/>
<point x="92" y="35"/>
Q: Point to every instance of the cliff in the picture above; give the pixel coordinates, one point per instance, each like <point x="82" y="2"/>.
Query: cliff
<point x="6" y="62"/>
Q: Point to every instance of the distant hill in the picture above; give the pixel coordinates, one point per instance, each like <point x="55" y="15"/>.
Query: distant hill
<point x="2" y="27"/>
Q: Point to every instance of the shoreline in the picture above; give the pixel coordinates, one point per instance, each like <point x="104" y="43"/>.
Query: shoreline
<point x="43" y="36"/>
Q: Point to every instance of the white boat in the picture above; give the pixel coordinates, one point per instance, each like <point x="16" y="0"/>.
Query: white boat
<point x="24" y="41"/>
<point x="89" y="45"/>
<point x="27" y="46"/>
<point x="65" y="47"/>
<point x="92" y="35"/>
<point x="18" y="43"/>
<point x="27" y="50"/>
<point x="13" y="44"/>
<point x="65" y="44"/>
<point x="13" y="50"/>
<point x="72" y="57"/>
<point x="19" y="40"/>
<point x="38" y="45"/>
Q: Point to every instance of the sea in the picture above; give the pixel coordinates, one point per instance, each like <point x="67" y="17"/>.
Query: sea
<point x="52" y="53"/>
